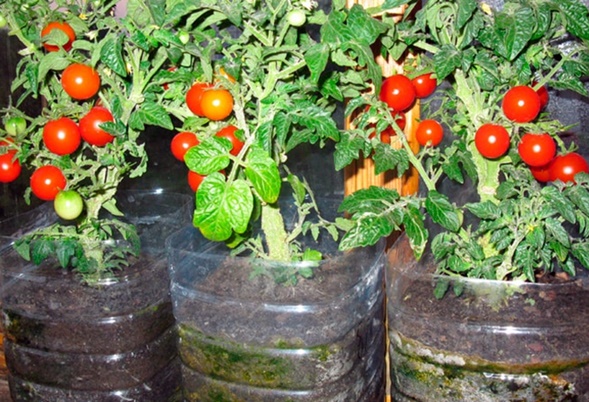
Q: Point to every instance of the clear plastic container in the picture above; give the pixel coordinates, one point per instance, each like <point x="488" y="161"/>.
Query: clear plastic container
<point x="484" y="340"/>
<point x="70" y="341"/>
<point x="249" y="339"/>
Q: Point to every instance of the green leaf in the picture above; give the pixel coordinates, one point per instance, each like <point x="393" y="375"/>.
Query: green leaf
<point x="262" y="172"/>
<point x="442" y="211"/>
<point x="41" y="249"/>
<point x="367" y="231"/>
<point x="317" y="57"/>
<point x="111" y="54"/>
<point x="415" y="230"/>
<point x="484" y="210"/>
<point x="561" y="204"/>
<point x="65" y="250"/>
<point x="51" y="61"/>
<point x="580" y="197"/>
<point x="347" y="150"/>
<point x="446" y="60"/>
<point x="465" y="11"/>
<point x="581" y="253"/>
<point x="514" y="29"/>
<point x="151" y="113"/>
<point x="557" y="232"/>
<point x="576" y="15"/>
<point x="371" y="200"/>
<point x="209" y="156"/>
<point x="222" y="208"/>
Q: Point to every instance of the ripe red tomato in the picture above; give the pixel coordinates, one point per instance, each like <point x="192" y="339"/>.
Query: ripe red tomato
<point x="47" y="181"/>
<point x="492" y="140"/>
<point x="565" y="167"/>
<point x="62" y="136"/>
<point x="229" y="133"/>
<point x="521" y="104"/>
<point x="65" y="28"/>
<point x="9" y="167"/>
<point x="544" y="96"/>
<point x="536" y="149"/>
<point x="429" y="132"/>
<point x="216" y="104"/>
<point x="181" y="143"/>
<point x="541" y="173"/>
<point x="194" y="96"/>
<point x="397" y="92"/>
<point x="425" y="85"/>
<point x="80" y="81"/>
<point x="90" y="126"/>
<point x="194" y="180"/>
<point x="68" y="204"/>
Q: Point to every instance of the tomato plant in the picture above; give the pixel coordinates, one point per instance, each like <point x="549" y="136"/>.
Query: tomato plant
<point x="63" y="27"/>
<point x="68" y="204"/>
<point x="424" y="84"/>
<point x="62" y="136"/>
<point x="492" y="140"/>
<point x="10" y="167"/>
<point x="80" y="81"/>
<point x="194" y="97"/>
<point x="566" y="167"/>
<point x="46" y="181"/>
<point x="216" y="104"/>
<point x="181" y="143"/>
<point x="15" y="126"/>
<point x="536" y="149"/>
<point x="229" y="133"/>
<point x="429" y="133"/>
<point x="521" y="104"/>
<point x="398" y="92"/>
<point x="90" y="129"/>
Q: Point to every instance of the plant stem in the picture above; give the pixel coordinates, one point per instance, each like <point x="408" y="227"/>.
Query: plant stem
<point x="275" y="233"/>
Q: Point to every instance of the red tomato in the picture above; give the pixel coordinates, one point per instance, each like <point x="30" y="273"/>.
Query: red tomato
<point x="544" y="96"/>
<point x="194" y="96"/>
<point x="565" y="167"/>
<point x="9" y="167"/>
<point x="90" y="126"/>
<point x="194" y="180"/>
<point x="229" y="133"/>
<point x="65" y="28"/>
<point x="216" y="104"/>
<point x="400" y="119"/>
<point x="397" y="92"/>
<point x="80" y="81"/>
<point x="492" y="140"/>
<point x="181" y="143"/>
<point x="429" y="132"/>
<point x="521" y="104"/>
<point x="541" y="173"/>
<point x="47" y="181"/>
<point x="536" y="149"/>
<point x="425" y="85"/>
<point x="62" y="136"/>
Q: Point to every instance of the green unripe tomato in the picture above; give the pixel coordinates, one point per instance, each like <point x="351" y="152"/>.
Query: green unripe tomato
<point x="15" y="126"/>
<point x="296" y="18"/>
<point x="68" y="204"/>
<point x="3" y="21"/>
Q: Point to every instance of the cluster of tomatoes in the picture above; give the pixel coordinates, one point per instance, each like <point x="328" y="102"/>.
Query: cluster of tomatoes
<point x="400" y="92"/>
<point x="61" y="136"/>
<point x="522" y="104"/>
<point x="216" y="104"/>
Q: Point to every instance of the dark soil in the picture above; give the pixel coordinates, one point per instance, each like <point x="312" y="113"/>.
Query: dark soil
<point x="65" y="337"/>
<point x="533" y="336"/>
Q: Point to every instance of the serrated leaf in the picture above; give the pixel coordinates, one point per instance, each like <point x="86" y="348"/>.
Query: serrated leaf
<point x="415" y="230"/>
<point x="209" y="156"/>
<point x="446" y="60"/>
<point x="557" y="232"/>
<point x="51" y="61"/>
<point x="111" y="54"/>
<point x="371" y="200"/>
<point x="367" y="231"/>
<point x="65" y="250"/>
<point x="465" y="11"/>
<point x="316" y="58"/>
<point x="581" y="253"/>
<point x="577" y="19"/>
<point x="442" y="211"/>
<point x="152" y="113"/>
<point x="560" y="203"/>
<point x="262" y="171"/>
<point x="41" y="249"/>
<point x="484" y="210"/>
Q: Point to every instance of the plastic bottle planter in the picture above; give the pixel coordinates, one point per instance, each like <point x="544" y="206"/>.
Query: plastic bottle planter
<point x="496" y="341"/>
<point x="114" y="342"/>
<point x="248" y="339"/>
